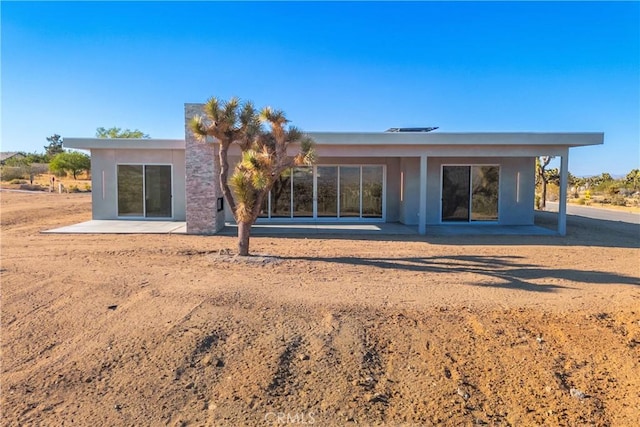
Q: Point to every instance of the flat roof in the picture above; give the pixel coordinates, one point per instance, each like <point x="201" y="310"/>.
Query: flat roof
<point x="568" y="139"/>
<point x="123" y="143"/>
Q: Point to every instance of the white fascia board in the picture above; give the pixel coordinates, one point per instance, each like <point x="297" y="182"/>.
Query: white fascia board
<point x="123" y="144"/>
<point x="569" y="139"/>
<point x="373" y="139"/>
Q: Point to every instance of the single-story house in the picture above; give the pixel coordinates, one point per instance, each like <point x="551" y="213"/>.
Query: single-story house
<point x="6" y="155"/>
<point x="408" y="176"/>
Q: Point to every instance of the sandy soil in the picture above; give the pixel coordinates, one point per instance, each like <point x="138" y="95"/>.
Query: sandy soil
<point x="162" y="330"/>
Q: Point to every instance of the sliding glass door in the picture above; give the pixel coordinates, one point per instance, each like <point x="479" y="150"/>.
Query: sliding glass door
<point x="144" y="191"/>
<point x="455" y="193"/>
<point x="302" y="192"/>
<point x="157" y="188"/>
<point x="484" y="193"/>
<point x="327" y="190"/>
<point x="470" y="193"/>
<point x="340" y="192"/>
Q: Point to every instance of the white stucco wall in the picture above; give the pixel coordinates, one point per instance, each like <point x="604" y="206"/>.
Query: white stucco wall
<point x="516" y="191"/>
<point x="104" y="180"/>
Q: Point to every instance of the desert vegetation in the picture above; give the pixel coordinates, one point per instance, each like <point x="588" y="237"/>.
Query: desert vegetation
<point x="599" y="190"/>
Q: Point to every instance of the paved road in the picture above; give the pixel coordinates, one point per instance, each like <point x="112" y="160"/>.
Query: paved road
<point x="597" y="213"/>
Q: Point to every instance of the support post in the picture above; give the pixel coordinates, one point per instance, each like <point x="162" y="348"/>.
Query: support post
<point x="562" y="198"/>
<point x="422" y="209"/>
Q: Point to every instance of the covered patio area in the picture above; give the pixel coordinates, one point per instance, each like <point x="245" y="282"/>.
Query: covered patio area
<point x="342" y="230"/>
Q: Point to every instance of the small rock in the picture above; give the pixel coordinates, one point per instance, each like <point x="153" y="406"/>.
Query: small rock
<point x="190" y="386"/>
<point x="463" y="394"/>
<point x="219" y="363"/>
<point x="302" y="356"/>
<point x="112" y="307"/>
<point x="447" y="373"/>
<point x="117" y="407"/>
<point x="574" y="392"/>
<point x="206" y="360"/>
<point x="379" y="397"/>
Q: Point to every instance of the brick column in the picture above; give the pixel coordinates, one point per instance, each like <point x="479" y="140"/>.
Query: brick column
<point x="202" y="180"/>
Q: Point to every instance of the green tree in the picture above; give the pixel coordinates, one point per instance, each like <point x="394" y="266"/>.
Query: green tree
<point x="116" y="132"/>
<point x="72" y="162"/>
<point x="54" y="147"/>
<point x="633" y="179"/>
<point x="264" y="155"/>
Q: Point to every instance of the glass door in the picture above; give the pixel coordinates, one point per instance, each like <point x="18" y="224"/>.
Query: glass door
<point x="157" y="185"/>
<point x="303" y="192"/>
<point x="455" y="193"/>
<point x="470" y="193"/>
<point x="144" y="191"/>
<point x="349" y="191"/>
<point x="324" y="192"/>
<point x="327" y="190"/>
<point x="130" y="190"/>
<point x="484" y="193"/>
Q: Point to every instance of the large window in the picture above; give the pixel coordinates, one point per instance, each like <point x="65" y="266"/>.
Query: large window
<point x="470" y="193"/>
<point x="144" y="191"/>
<point x="130" y="190"/>
<point x="350" y="192"/>
<point x="327" y="190"/>
<point x="303" y="192"/>
<point x="372" y="191"/>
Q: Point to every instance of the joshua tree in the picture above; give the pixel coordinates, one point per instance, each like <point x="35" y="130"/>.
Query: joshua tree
<point x="542" y="177"/>
<point x="264" y="155"/>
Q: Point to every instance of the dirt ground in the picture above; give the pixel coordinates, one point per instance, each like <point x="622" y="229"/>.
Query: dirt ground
<point x="163" y="330"/>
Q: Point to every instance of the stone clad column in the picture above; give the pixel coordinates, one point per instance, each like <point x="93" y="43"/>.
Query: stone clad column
<point x="202" y="181"/>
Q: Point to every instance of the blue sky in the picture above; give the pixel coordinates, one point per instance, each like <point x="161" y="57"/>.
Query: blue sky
<point x="69" y="68"/>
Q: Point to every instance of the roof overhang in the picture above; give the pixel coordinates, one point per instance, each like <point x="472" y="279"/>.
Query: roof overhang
<point x="123" y="144"/>
<point x="455" y="139"/>
<point x="389" y="140"/>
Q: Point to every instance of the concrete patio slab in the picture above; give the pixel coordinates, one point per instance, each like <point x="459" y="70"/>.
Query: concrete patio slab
<point x="489" y="230"/>
<point x="323" y="228"/>
<point x="123" y="227"/>
<point x="308" y="229"/>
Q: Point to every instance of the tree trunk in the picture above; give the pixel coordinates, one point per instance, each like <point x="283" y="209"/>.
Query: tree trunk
<point x="244" y="230"/>
<point x="543" y="197"/>
<point x="224" y="174"/>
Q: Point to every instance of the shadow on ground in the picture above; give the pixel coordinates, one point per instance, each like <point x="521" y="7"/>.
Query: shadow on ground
<point x="581" y="231"/>
<point x="508" y="270"/>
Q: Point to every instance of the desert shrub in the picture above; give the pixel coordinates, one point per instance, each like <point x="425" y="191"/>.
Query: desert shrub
<point x="618" y="200"/>
<point x="73" y="189"/>
<point x="553" y="192"/>
<point x="87" y="187"/>
<point x="537" y="201"/>
<point x="32" y="187"/>
<point x="9" y="173"/>
<point x="18" y="181"/>
<point x="39" y="168"/>
<point x="581" y="201"/>
<point x="613" y="190"/>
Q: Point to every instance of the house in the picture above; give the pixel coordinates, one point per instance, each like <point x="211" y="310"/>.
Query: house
<point x="411" y="177"/>
<point x="6" y="155"/>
